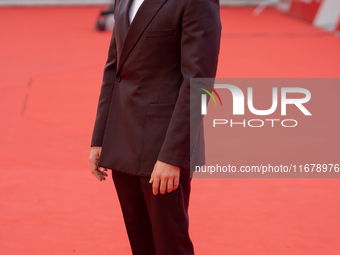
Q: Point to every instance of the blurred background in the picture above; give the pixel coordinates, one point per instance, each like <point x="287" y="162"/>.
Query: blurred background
<point x="52" y="55"/>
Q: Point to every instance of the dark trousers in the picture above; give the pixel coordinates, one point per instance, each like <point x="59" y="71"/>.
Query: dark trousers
<point x="156" y="225"/>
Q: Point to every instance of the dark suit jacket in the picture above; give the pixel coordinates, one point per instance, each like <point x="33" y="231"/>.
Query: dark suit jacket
<point x="144" y="106"/>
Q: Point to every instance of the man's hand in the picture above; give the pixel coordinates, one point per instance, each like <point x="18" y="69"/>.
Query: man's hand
<point x="164" y="177"/>
<point x="99" y="172"/>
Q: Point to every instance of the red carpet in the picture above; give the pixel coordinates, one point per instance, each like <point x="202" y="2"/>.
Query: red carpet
<point x="51" y="62"/>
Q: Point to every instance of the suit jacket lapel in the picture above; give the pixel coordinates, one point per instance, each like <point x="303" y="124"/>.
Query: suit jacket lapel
<point x="123" y="17"/>
<point x="143" y="17"/>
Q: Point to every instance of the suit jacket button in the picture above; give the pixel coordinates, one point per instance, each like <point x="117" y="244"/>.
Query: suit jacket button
<point x="119" y="78"/>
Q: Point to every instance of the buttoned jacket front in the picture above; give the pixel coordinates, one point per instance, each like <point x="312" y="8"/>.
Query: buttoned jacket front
<point x="144" y="106"/>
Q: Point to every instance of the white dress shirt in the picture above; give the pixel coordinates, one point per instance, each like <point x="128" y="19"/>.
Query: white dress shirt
<point x="134" y="8"/>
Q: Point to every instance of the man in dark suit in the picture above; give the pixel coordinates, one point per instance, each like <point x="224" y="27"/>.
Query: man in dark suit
<point x="142" y="127"/>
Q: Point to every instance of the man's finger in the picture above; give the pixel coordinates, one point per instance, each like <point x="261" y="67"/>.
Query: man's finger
<point x="163" y="185"/>
<point x="98" y="175"/>
<point x="170" y="185"/>
<point x="155" y="185"/>
<point x="151" y="179"/>
<point x="176" y="182"/>
<point x="101" y="171"/>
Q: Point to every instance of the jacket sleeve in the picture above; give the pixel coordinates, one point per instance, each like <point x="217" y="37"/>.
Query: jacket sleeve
<point x="109" y="79"/>
<point x="200" y="43"/>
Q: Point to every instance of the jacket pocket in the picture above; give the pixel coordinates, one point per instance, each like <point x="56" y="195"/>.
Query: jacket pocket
<point x="159" y="33"/>
<point x="155" y="127"/>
